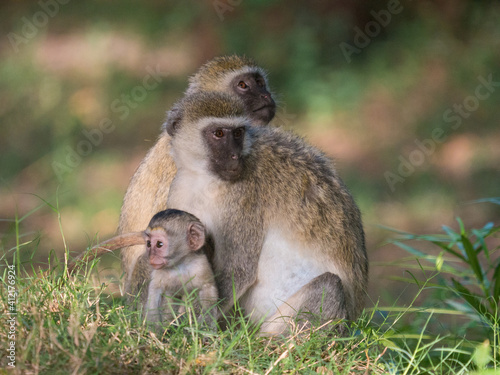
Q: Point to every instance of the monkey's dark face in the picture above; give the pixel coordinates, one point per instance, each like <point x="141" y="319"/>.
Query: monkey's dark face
<point x="225" y="148"/>
<point x="251" y="88"/>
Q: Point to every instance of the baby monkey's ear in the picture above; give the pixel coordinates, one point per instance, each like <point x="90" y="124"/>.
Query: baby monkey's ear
<point x="196" y="236"/>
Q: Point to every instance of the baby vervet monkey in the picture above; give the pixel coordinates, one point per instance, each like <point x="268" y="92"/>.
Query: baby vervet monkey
<point x="175" y="254"/>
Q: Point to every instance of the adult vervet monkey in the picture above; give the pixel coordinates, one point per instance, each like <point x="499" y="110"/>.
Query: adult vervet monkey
<point x="287" y="234"/>
<point x="148" y="189"/>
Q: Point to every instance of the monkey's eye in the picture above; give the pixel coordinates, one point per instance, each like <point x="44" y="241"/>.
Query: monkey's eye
<point x="242" y="85"/>
<point x="238" y="133"/>
<point x="148" y="243"/>
<point x="159" y="244"/>
<point x="219" y="133"/>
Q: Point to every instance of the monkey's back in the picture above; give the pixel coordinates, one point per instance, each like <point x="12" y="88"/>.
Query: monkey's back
<point x="295" y="186"/>
<point x="146" y="195"/>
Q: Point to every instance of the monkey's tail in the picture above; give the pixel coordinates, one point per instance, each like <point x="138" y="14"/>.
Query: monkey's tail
<point x="117" y="242"/>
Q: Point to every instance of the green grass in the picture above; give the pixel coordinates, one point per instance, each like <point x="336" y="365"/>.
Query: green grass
<point x="71" y="325"/>
<point x="67" y="325"/>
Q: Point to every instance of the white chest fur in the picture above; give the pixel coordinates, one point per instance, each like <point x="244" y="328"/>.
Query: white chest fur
<point x="177" y="277"/>
<point x="284" y="267"/>
<point x="196" y="194"/>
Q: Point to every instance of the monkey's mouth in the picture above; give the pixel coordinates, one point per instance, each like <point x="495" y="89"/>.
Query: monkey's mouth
<point x="231" y="174"/>
<point x="159" y="265"/>
<point x="264" y="107"/>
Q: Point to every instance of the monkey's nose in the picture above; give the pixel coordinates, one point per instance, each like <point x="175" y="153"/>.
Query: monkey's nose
<point x="266" y="96"/>
<point x="234" y="157"/>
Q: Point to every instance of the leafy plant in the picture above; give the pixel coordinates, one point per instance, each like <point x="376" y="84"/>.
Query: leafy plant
<point x="468" y="266"/>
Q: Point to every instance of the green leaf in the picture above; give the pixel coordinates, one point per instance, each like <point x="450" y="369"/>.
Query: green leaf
<point x="462" y="227"/>
<point x="464" y="308"/>
<point x="410" y="249"/>
<point x="496" y="284"/>
<point x="471" y="298"/>
<point x="472" y="260"/>
<point x="453" y="235"/>
<point x="439" y="261"/>
<point x="389" y="344"/>
<point x="486" y="229"/>
<point x="481" y="244"/>
<point x="448" y="249"/>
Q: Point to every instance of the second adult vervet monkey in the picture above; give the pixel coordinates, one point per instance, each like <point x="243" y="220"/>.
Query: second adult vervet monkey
<point x="287" y="235"/>
<point x="148" y="189"/>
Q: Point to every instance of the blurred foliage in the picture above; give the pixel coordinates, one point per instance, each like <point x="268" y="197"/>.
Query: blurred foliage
<point x="468" y="272"/>
<point x="366" y="110"/>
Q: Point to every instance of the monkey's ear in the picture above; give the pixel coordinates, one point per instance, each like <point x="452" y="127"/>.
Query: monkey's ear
<point x="173" y="120"/>
<point x="196" y="236"/>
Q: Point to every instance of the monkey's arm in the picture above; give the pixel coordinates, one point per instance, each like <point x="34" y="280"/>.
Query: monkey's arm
<point x="233" y="283"/>
<point x="117" y="242"/>
<point x="236" y="259"/>
<point x="152" y="307"/>
<point x="208" y="295"/>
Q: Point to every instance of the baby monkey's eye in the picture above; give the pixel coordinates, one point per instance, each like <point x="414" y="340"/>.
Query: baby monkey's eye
<point x="148" y="243"/>
<point x="159" y="244"/>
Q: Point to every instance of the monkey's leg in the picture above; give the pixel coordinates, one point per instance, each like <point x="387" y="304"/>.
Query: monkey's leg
<point x="319" y="301"/>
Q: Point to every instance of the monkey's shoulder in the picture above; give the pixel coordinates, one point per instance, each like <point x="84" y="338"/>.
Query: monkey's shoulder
<point x="290" y="163"/>
<point x="285" y="147"/>
<point x="303" y="174"/>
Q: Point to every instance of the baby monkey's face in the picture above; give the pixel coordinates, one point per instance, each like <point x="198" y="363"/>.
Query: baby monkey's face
<point x="157" y="246"/>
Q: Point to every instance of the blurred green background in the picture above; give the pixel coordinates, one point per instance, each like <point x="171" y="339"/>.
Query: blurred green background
<point x="404" y="95"/>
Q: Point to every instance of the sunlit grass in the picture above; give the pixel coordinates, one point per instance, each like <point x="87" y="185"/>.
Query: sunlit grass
<point x="69" y="324"/>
